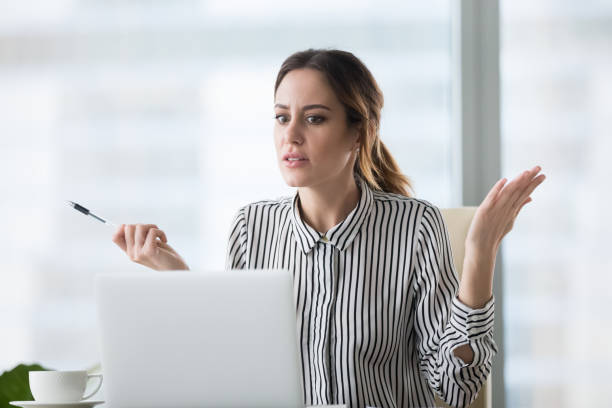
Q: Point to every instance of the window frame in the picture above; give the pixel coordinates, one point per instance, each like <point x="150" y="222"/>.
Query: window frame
<point x="476" y="132"/>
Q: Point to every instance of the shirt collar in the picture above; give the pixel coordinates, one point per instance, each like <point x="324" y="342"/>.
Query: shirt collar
<point x="340" y="235"/>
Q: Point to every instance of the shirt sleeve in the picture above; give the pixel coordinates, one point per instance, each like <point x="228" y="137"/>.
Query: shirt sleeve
<point x="442" y="322"/>
<point x="236" y="255"/>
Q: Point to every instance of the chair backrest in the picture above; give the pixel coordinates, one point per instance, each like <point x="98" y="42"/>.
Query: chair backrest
<point x="458" y="222"/>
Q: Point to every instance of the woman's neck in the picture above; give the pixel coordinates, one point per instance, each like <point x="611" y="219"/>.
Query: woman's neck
<point x="325" y="205"/>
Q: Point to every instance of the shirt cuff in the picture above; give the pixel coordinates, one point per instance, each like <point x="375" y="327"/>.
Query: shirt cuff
<point x="472" y="323"/>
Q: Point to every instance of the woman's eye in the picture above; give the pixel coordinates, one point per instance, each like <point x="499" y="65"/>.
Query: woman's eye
<point x="315" y="119"/>
<point x="280" y="118"/>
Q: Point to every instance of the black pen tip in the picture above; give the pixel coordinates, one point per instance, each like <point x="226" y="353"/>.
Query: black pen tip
<point x="78" y="207"/>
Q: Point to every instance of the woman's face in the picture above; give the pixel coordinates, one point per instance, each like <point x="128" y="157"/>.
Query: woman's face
<point x="310" y="123"/>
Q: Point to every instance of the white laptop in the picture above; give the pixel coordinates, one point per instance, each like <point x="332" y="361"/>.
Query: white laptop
<point x="199" y="339"/>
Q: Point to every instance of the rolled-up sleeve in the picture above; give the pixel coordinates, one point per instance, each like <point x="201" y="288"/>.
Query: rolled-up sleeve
<point x="442" y="322"/>
<point x="236" y="254"/>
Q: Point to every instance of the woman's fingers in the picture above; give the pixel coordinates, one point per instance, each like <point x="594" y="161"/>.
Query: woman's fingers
<point x="533" y="184"/>
<point x="496" y="189"/>
<point x="129" y="239"/>
<point x="150" y="249"/>
<point x="495" y="218"/>
<point x="119" y="237"/>
<point x="162" y="235"/>
<point x="147" y="245"/>
<point x="134" y="236"/>
<point x="518" y="210"/>
<point x="164" y="245"/>
<point x="527" y="181"/>
<point x="141" y="234"/>
<point x="519" y="185"/>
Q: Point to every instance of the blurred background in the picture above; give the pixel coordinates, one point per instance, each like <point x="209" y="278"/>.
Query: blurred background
<point x="161" y="112"/>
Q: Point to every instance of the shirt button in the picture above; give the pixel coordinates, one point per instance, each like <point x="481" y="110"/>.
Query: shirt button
<point x="324" y="239"/>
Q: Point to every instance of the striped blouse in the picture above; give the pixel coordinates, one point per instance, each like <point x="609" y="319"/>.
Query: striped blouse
<point x="376" y="303"/>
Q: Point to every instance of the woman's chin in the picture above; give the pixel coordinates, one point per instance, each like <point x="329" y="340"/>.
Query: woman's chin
<point x="294" y="180"/>
<point x="293" y="183"/>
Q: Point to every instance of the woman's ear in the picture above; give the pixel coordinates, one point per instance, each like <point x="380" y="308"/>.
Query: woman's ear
<point x="357" y="136"/>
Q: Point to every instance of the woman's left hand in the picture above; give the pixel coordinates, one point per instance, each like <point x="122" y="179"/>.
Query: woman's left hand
<point x="493" y="219"/>
<point x="495" y="216"/>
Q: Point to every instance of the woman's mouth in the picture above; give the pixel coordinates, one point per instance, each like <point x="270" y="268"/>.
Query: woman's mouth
<point x="293" y="163"/>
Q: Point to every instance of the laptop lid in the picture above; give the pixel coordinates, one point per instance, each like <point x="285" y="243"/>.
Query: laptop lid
<point x="187" y="339"/>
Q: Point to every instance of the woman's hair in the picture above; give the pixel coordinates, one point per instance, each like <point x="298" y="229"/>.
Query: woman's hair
<point x="362" y="99"/>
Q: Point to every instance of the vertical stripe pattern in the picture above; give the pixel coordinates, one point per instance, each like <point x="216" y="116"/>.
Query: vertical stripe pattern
<point x="376" y="301"/>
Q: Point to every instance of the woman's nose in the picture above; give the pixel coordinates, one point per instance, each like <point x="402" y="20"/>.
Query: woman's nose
<point x="293" y="132"/>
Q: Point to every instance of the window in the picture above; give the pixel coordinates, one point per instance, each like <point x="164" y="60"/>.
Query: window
<point x="161" y="112"/>
<point x="556" y="110"/>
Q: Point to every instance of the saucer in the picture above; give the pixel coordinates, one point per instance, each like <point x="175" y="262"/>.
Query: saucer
<point x="39" y="404"/>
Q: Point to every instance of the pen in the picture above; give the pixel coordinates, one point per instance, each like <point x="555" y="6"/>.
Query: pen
<point x="85" y="211"/>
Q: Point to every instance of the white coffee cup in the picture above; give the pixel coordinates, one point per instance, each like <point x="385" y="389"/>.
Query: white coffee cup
<point x="61" y="386"/>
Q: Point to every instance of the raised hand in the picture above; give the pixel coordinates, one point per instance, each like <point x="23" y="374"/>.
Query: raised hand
<point x="495" y="216"/>
<point x="493" y="219"/>
<point x="147" y="245"/>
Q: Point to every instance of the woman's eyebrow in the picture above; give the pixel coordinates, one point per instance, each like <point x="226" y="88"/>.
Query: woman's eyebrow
<point x="305" y="108"/>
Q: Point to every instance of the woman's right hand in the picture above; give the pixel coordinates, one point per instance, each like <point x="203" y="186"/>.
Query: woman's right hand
<point x="147" y="245"/>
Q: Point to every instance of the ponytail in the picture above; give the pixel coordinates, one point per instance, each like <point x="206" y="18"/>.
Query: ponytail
<point x="378" y="168"/>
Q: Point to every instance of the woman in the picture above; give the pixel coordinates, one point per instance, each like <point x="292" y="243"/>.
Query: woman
<point x="382" y="318"/>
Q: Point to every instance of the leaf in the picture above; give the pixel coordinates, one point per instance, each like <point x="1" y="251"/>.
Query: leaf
<point x="15" y="384"/>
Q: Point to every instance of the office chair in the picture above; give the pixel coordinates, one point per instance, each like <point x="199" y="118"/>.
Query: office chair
<point x="458" y="222"/>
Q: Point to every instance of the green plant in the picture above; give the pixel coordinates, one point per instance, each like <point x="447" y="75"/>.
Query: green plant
<point x="15" y="384"/>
